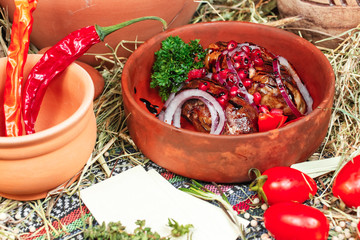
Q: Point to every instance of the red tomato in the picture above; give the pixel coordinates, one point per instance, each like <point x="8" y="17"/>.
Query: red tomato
<point x="295" y="221"/>
<point x="347" y="183"/>
<point x="283" y="184"/>
<point x="358" y="230"/>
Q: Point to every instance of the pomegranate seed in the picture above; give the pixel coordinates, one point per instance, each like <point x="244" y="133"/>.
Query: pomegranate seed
<point x="246" y="49"/>
<point x="196" y="73"/>
<point x="243" y="73"/>
<point x="237" y="56"/>
<point x="223" y="98"/>
<point x="223" y="73"/>
<point x="215" y="76"/>
<point x="222" y="101"/>
<point x="247" y="83"/>
<point x="256" y="53"/>
<point x="223" y="94"/>
<point x="233" y="91"/>
<point x="231" y="45"/>
<point x="258" y="62"/>
<point x="245" y="60"/>
<point x="257" y="98"/>
<point x="203" y="86"/>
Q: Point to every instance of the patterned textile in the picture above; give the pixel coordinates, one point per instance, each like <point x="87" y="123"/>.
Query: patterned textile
<point x="68" y="214"/>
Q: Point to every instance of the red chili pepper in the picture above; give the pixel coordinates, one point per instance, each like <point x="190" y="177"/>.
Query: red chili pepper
<point x="57" y="59"/>
<point x="271" y="120"/>
<point x="17" y="54"/>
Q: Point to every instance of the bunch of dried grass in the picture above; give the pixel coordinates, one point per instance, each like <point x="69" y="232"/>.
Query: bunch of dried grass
<point x="342" y="139"/>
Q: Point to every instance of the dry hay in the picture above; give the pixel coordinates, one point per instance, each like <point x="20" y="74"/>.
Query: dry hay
<point x="114" y="142"/>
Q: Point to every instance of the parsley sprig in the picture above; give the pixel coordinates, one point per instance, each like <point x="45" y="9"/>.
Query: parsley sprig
<point x="116" y="231"/>
<point x="173" y="62"/>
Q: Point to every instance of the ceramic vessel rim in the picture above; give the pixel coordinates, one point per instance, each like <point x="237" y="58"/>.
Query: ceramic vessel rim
<point x="330" y="8"/>
<point x="76" y="116"/>
<point x="154" y="40"/>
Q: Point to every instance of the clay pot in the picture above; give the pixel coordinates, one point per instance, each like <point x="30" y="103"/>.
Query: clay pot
<point x="223" y="158"/>
<point x="53" y="20"/>
<point x="320" y="20"/>
<point x="32" y="165"/>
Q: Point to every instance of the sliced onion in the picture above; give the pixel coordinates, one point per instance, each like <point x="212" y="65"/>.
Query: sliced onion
<point x="281" y="87"/>
<point x="303" y="90"/>
<point x="173" y="110"/>
<point x="161" y="114"/>
<point x="218" y="69"/>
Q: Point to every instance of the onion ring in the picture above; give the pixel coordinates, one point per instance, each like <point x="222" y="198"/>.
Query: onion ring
<point x="161" y="114"/>
<point x="173" y="111"/>
<point x="218" y="69"/>
<point x="281" y="87"/>
<point x="303" y="90"/>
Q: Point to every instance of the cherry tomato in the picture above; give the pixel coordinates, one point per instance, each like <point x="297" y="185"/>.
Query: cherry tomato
<point x="347" y="183"/>
<point x="283" y="184"/>
<point x="295" y="221"/>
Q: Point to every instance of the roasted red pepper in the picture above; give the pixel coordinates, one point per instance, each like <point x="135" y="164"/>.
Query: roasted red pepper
<point x="269" y="120"/>
<point x="17" y="54"/>
<point x="57" y="59"/>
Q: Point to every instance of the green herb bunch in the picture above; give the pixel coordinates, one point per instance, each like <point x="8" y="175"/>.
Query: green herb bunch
<point x="173" y="62"/>
<point x="116" y="231"/>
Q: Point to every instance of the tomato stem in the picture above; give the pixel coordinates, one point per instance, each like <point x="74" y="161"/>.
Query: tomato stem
<point x="258" y="183"/>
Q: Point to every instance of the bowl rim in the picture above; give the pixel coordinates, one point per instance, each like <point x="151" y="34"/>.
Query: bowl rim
<point x="154" y="40"/>
<point x="66" y="124"/>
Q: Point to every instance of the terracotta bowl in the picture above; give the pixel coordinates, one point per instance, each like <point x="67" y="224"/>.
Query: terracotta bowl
<point x="53" y="20"/>
<point x="32" y="165"/>
<point x="222" y="158"/>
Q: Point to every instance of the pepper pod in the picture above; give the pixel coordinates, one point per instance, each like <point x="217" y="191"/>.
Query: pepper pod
<point x="56" y="59"/>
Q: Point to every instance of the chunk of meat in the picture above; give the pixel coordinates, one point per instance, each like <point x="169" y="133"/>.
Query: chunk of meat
<point x="264" y="83"/>
<point x="262" y="77"/>
<point x="241" y="117"/>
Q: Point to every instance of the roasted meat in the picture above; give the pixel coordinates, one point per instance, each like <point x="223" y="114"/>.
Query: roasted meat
<point x="257" y="77"/>
<point x="241" y="117"/>
<point x="264" y="83"/>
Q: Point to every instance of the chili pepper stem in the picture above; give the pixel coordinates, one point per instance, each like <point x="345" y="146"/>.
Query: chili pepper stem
<point x="104" y="31"/>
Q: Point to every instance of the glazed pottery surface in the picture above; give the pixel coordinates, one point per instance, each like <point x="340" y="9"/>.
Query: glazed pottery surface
<point x="319" y="20"/>
<point x="53" y="20"/>
<point x="32" y="165"/>
<point x="228" y="158"/>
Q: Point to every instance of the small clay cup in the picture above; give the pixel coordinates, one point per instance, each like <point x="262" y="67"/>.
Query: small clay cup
<point x="222" y="158"/>
<point x="32" y="165"/>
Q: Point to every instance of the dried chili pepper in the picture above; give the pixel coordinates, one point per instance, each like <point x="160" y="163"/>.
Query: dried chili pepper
<point x="57" y="59"/>
<point x="17" y="55"/>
